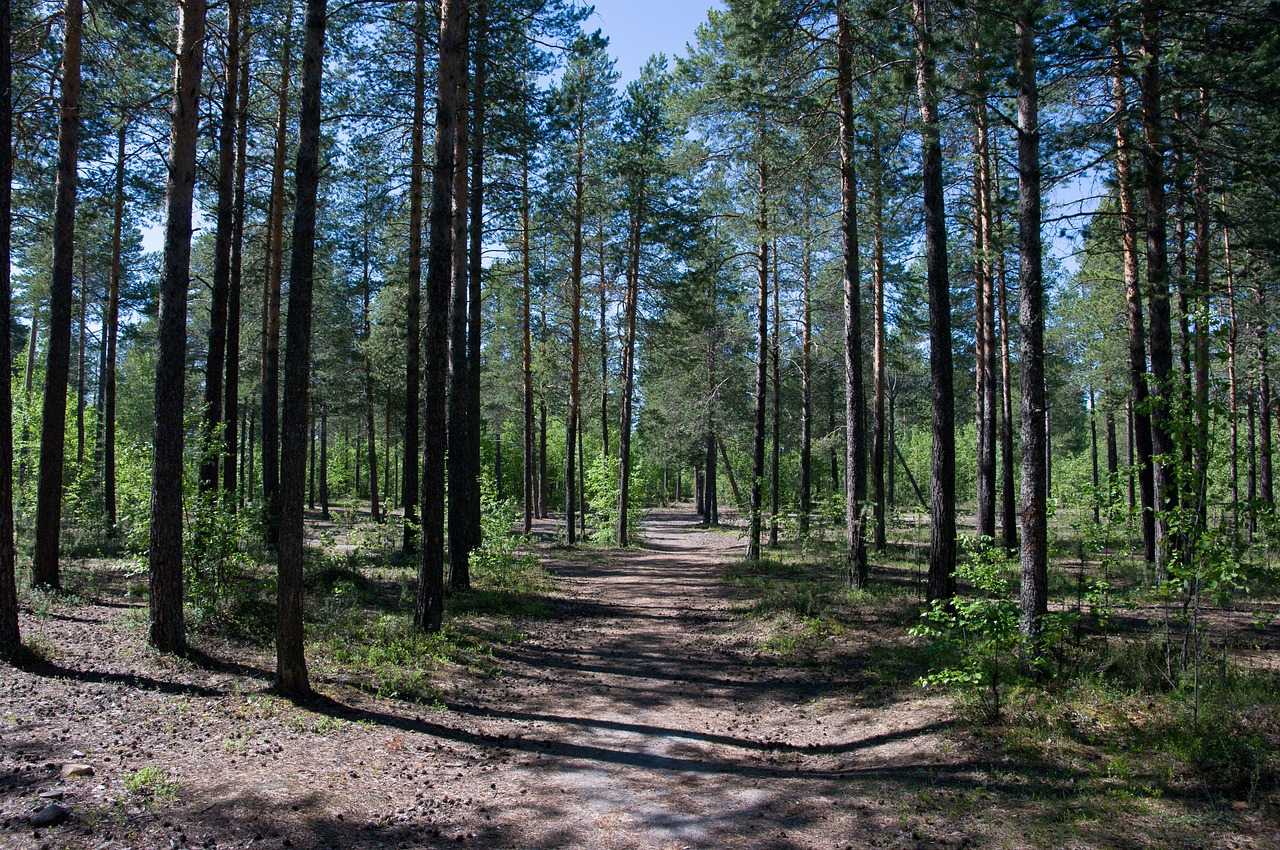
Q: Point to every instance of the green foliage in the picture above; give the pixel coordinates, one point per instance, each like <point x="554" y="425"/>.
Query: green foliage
<point x="603" y="484"/>
<point x="152" y="785"/>
<point x="498" y="563"/>
<point x="977" y="631"/>
<point x="218" y="545"/>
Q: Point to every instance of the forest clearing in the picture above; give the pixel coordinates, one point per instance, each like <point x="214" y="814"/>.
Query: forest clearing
<point x="691" y="423"/>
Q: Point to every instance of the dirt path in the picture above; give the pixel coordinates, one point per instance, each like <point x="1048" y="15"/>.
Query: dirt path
<point x="640" y="716"/>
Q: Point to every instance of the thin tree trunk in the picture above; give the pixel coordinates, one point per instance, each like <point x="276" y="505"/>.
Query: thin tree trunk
<point x="413" y="299"/>
<point x="1034" y="553"/>
<point x="1008" y="504"/>
<point x="324" y="459"/>
<point x="604" y="341"/>
<point x="628" y="366"/>
<point x="762" y="352"/>
<point x="1140" y="444"/>
<point x="429" y="607"/>
<point x="1162" y="442"/>
<point x="375" y="507"/>
<point x="1266" y="491"/>
<point x="1093" y="456"/>
<point x="213" y="389"/>
<point x="857" y="568"/>
<point x="879" y="371"/>
<point x="459" y="541"/>
<point x="291" y="665"/>
<point x="231" y="388"/>
<point x="806" y="372"/>
<point x="531" y="480"/>
<point x="271" y="301"/>
<point x="542" y="456"/>
<point x="44" y="559"/>
<point x="986" y="364"/>
<point x="10" y="640"/>
<point x="1233" y="393"/>
<point x="775" y="449"/>
<point x="475" y="306"/>
<point x="112" y="323"/>
<point x="311" y="459"/>
<point x="1200" y="204"/>
<point x="28" y="383"/>
<point x="728" y="470"/>
<point x="168" y="630"/>
<point x="575" y="324"/>
<point x="942" y="546"/>
<point x="80" y="371"/>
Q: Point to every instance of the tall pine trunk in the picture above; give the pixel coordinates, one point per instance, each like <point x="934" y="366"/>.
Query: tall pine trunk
<point x="762" y="352"/>
<point x="271" y="301"/>
<point x="942" y="508"/>
<point x="413" y="297"/>
<point x="879" y="370"/>
<point x="628" y="366"/>
<point x="1034" y="554"/>
<point x="168" y="631"/>
<point x="429" y="607"/>
<point x="1141" y="433"/>
<point x="526" y="338"/>
<point x="375" y="507"/>
<point x="458" y="473"/>
<point x="775" y="355"/>
<point x="472" y="513"/>
<point x="44" y="558"/>
<point x="9" y="637"/>
<point x="231" y="387"/>
<point x="291" y="664"/>
<point x="213" y="388"/>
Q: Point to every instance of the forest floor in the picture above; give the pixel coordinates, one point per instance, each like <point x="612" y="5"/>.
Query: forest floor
<point x="656" y="697"/>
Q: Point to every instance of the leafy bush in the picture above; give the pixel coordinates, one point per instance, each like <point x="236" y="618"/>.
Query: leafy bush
<point x="604" y="492"/>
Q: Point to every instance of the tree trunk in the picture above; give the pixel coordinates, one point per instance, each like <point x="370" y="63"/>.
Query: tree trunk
<point x="1093" y="456"/>
<point x="324" y="459"/>
<point x="429" y="607"/>
<point x="879" y="371"/>
<point x="575" y="326"/>
<point x="44" y="559"/>
<point x="212" y="440"/>
<point x="986" y="363"/>
<point x="475" y="306"/>
<point x="857" y="569"/>
<point x="168" y="632"/>
<point x="10" y="644"/>
<point x="1008" y="504"/>
<point x="80" y="385"/>
<point x="1200" y="204"/>
<point x="708" y="501"/>
<point x="806" y="373"/>
<point x="531" y="479"/>
<point x="459" y="541"/>
<point x="375" y="507"/>
<point x="231" y="389"/>
<point x="942" y="545"/>
<point x="271" y="302"/>
<point x="1139" y="408"/>
<point x="604" y="341"/>
<point x="776" y="443"/>
<point x="1266" y="491"/>
<point x="728" y="470"/>
<point x="413" y="299"/>
<point x="311" y="460"/>
<point x="112" y="332"/>
<point x="1162" y="442"/>
<point x="291" y="665"/>
<point x="1034" y="553"/>
<point x="628" y="366"/>
<point x="542" y="455"/>
<point x="28" y="379"/>
<point x="1233" y="393"/>
<point x="762" y="353"/>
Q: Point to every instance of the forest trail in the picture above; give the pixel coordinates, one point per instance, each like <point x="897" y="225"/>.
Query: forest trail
<point x="647" y="718"/>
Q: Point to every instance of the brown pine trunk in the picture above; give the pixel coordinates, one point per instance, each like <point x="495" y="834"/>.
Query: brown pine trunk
<point x="855" y="488"/>
<point x="475" y="307"/>
<point x="942" y="545"/>
<point x="10" y="644"/>
<point x="44" y="559"/>
<point x="1233" y="392"/>
<point x="271" y="301"/>
<point x="168" y="631"/>
<point x="80" y="365"/>
<point x="311" y="461"/>
<point x="628" y="365"/>
<point x="1034" y="552"/>
<point x="776" y="443"/>
<point x="542" y="454"/>
<point x="1162" y="442"/>
<point x="413" y="300"/>
<point x="429" y="607"/>
<point x="27" y="384"/>
<point x="1266" y="491"/>
<point x="531" y="480"/>
<point x="986" y="362"/>
<point x="459" y="542"/>
<point x="879" y="370"/>
<point x="1200" y="204"/>
<point x="1093" y="456"/>
<point x="213" y="387"/>
<point x="1140" y="444"/>
<point x="231" y="388"/>
<point x="604" y="340"/>
<point x="291" y="664"/>
<point x="324" y="459"/>
<point x="375" y="507"/>
<point x="1008" y="503"/>
<point x="762" y="354"/>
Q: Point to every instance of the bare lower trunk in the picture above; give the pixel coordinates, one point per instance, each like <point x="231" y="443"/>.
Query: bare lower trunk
<point x="9" y="636"/>
<point x="762" y="357"/>
<point x="413" y="299"/>
<point x="459" y="542"/>
<point x="291" y="665"/>
<point x="168" y="631"/>
<point x="879" y="371"/>
<point x="942" y="546"/>
<point x="231" y="390"/>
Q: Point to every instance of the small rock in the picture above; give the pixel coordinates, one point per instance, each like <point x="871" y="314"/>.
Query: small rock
<point x="73" y="770"/>
<point x="50" y="815"/>
<point x="52" y="794"/>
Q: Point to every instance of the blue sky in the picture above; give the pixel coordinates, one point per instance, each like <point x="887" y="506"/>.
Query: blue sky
<point x="636" y="30"/>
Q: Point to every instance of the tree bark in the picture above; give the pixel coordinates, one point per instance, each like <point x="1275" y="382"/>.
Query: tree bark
<point x="44" y="559"/>
<point x="231" y="388"/>
<point x="526" y="332"/>
<point x="324" y="459"/>
<point x="1008" y="504"/>
<point x="575" y="324"/>
<point x="291" y="665"/>
<point x="168" y="631"/>
<point x="1233" y="391"/>
<point x="375" y="507"/>
<point x="604" y="340"/>
<point x="10" y="640"/>
<point x="879" y="370"/>
<point x="459" y="543"/>
<point x="806" y="372"/>
<point x="986" y="363"/>
<point x="429" y="607"/>
<point x="1034" y="553"/>
<point x="762" y="353"/>
<point x="212" y="438"/>
<point x="628" y="364"/>
<point x="1162" y="442"/>
<point x="775" y="481"/>
<point x="1139" y="409"/>
<point x="271" y="302"/>
<point x="80" y="364"/>
<point x="474" y="280"/>
<point x="942" y="546"/>
<point x="413" y="300"/>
